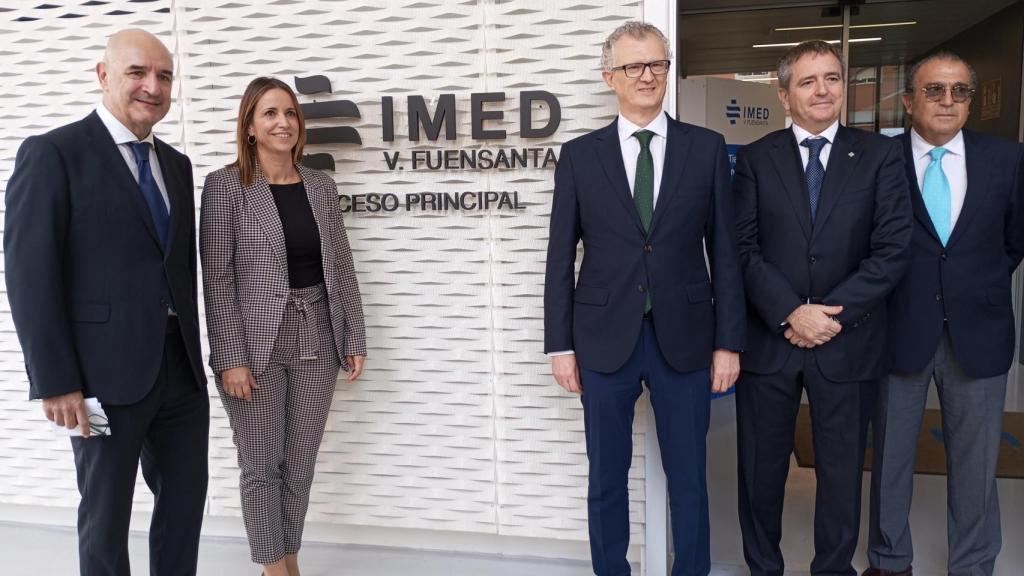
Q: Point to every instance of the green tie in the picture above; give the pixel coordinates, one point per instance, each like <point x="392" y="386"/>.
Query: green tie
<point x="643" y="184"/>
<point x="643" y="189"/>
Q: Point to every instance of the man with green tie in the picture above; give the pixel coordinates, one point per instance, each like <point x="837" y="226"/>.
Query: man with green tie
<point x="644" y="195"/>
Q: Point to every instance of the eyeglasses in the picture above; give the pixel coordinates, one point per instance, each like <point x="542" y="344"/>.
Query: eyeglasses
<point x="98" y="425"/>
<point x="636" y="69"/>
<point x="960" y="92"/>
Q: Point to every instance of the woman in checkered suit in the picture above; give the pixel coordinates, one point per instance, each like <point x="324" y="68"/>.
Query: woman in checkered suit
<point x="283" y="313"/>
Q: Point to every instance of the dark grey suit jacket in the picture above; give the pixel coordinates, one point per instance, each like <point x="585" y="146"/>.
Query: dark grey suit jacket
<point x="88" y="282"/>
<point x="852" y="254"/>
<point x="965" y="286"/>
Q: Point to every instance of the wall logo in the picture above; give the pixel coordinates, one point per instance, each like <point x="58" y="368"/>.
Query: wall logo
<point x="332" y="109"/>
<point x="441" y="122"/>
<point x="732" y="111"/>
<point x="746" y="115"/>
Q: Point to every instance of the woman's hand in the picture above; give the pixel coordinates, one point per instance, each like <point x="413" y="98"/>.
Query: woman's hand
<point x="355" y="365"/>
<point x="238" y="382"/>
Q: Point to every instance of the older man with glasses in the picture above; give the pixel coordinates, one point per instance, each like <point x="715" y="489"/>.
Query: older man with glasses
<point x="644" y="194"/>
<point x="952" y="321"/>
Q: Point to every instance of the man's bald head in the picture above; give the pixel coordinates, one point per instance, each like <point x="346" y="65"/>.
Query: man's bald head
<point x="130" y="38"/>
<point x="136" y="75"/>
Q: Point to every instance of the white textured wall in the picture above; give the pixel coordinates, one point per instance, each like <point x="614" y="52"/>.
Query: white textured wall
<point x="456" y="424"/>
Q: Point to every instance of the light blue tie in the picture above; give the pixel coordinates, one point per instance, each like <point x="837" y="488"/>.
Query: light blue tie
<point x="936" y="194"/>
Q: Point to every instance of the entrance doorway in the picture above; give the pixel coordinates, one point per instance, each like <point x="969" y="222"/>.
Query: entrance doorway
<point x="741" y="40"/>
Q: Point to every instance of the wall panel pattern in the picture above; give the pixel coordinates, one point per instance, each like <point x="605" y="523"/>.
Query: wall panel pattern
<point x="456" y="424"/>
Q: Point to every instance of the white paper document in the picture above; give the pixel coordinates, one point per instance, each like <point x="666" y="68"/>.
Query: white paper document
<point x="98" y="424"/>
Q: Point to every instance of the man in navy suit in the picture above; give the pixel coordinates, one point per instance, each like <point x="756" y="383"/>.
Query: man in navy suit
<point x="824" y="220"/>
<point x="100" y="255"/>
<point x="952" y="321"/>
<point x="644" y="194"/>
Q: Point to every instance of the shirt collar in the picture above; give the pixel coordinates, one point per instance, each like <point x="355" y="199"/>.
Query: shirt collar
<point x="118" y="131"/>
<point x="922" y="147"/>
<point x="626" y="128"/>
<point x="828" y="134"/>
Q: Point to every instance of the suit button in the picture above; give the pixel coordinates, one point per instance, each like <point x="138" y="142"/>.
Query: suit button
<point x="813" y="259"/>
<point x="648" y="248"/>
<point x="944" y="256"/>
<point x="163" y="303"/>
<point x="640" y="288"/>
<point x="938" y="297"/>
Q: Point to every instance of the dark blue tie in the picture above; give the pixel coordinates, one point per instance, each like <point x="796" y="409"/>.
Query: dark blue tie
<point x="150" y="191"/>
<point x="814" y="174"/>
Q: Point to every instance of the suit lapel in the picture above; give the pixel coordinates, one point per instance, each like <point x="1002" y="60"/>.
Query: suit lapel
<point x="790" y="170"/>
<point x="920" y="210"/>
<point x="321" y="210"/>
<point x="978" y="173"/>
<point x="123" y="183"/>
<point x="677" y="148"/>
<point x="610" y="154"/>
<point x="175" y="190"/>
<point x="842" y="159"/>
<point x="262" y="202"/>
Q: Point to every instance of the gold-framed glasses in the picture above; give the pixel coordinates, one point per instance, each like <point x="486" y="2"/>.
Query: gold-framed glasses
<point x="959" y="92"/>
<point x="636" y="69"/>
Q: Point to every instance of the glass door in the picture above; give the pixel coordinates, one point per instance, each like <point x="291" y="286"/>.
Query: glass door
<point x="738" y="42"/>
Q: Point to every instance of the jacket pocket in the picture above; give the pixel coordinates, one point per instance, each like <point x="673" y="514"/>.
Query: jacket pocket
<point x="90" y="312"/>
<point x="856" y="196"/>
<point x="998" y="295"/>
<point x="593" y="295"/>
<point x="700" y="292"/>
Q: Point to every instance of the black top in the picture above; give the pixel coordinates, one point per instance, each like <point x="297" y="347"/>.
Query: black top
<point x="301" y="236"/>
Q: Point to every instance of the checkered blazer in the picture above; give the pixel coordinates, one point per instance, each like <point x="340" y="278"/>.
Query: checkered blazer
<point x="245" y="268"/>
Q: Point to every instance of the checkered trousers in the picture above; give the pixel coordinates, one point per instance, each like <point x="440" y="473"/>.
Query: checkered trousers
<point x="278" y="432"/>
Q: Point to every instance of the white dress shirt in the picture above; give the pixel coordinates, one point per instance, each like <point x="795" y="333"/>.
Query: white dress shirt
<point x="954" y="165"/>
<point x="122" y="136"/>
<point x="805" y="152"/>
<point x="631" y="148"/>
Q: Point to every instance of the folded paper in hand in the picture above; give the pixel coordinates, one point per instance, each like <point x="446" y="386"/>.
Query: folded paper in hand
<point x="98" y="424"/>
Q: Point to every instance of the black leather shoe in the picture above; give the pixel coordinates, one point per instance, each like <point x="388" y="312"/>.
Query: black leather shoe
<point x="880" y="572"/>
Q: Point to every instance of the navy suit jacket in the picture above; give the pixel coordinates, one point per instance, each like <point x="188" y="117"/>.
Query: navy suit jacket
<point x="88" y="283"/>
<point x="600" y="316"/>
<point x="967" y="282"/>
<point x="853" y="253"/>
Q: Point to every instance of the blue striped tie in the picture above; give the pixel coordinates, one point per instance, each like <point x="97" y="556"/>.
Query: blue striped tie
<point x="814" y="174"/>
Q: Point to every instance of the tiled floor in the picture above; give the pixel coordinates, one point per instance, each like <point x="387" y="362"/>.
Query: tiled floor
<point x="32" y="550"/>
<point x="44" y="551"/>
<point x="928" y="514"/>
